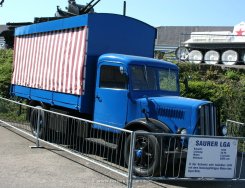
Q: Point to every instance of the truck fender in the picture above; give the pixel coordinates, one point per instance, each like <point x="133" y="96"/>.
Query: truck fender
<point x="151" y="125"/>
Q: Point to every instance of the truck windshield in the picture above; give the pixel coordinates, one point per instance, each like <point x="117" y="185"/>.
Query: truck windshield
<point x="153" y="78"/>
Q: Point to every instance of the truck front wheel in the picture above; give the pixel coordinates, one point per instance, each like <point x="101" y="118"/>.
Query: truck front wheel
<point x="146" y="160"/>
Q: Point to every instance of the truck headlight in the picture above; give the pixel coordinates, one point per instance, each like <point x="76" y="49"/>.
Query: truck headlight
<point x="224" y="130"/>
<point x="182" y="131"/>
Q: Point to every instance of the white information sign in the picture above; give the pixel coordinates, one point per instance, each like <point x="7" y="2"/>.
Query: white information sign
<point x="211" y="158"/>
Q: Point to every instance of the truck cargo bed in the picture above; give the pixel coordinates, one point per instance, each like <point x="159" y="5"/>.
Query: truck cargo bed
<point x="56" y="62"/>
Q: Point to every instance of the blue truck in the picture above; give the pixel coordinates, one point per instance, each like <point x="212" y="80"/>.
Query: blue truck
<point x="101" y="67"/>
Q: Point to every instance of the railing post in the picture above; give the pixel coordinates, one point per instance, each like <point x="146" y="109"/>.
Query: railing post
<point x="131" y="160"/>
<point x="38" y="130"/>
<point x="38" y="127"/>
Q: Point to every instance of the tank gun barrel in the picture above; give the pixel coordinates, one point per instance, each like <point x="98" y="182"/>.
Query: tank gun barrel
<point x="86" y="6"/>
<point x="89" y="6"/>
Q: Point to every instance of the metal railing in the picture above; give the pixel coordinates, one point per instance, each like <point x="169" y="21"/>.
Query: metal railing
<point x="235" y="128"/>
<point x="138" y="155"/>
<point x="188" y="157"/>
<point x="97" y="143"/>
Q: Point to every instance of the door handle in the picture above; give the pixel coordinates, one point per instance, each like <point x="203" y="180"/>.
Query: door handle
<point x="99" y="98"/>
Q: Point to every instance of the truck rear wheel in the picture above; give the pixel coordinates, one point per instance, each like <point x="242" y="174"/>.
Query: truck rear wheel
<point x="146" y="154"/>
<point x="34" y="121"/>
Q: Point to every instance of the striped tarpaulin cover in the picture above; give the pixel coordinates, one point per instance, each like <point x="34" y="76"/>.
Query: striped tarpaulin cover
<point x="51" y="61"/>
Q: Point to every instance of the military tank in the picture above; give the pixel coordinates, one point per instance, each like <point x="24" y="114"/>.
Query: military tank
<point x="217" y="47"/>
<point x="73" y="9"/>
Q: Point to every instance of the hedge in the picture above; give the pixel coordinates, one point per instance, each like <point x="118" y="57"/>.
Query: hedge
<point x="6" y="59"/>
<point x="224" y="87"/>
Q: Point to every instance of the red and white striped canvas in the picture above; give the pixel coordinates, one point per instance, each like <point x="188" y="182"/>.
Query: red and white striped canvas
<point x="51" y="61"/>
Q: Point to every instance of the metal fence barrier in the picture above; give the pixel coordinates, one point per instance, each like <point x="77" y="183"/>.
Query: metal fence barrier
<point x="95" y="142"/>
<point x="167" y="157"/>
<point x="234" y="128"/>
<point x="137" y="155"/>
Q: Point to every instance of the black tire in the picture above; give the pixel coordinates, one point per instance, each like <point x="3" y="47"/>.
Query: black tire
<point x="146" y="155"/>
<point x="34" y="122"/>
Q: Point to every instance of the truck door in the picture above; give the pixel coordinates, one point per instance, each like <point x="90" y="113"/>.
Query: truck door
<point x="111" y="96"/>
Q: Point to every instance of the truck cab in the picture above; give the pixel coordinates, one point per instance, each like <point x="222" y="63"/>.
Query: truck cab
<point x="143" y="95"/>
<point x="132" y="91"/>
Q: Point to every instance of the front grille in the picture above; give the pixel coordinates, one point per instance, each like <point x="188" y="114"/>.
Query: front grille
<point x="208" y="120"/>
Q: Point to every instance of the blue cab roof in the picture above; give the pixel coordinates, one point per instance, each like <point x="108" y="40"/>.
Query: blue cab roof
<point x="136" y="60"/>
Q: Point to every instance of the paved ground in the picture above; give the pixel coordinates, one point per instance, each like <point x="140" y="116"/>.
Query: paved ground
<point x="23" y="167"/>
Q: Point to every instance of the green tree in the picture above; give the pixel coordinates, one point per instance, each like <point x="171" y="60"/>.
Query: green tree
<point x="6" y="59"/>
